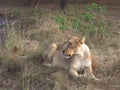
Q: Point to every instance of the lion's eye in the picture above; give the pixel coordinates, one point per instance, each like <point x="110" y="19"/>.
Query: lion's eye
<point x="70" y="44"/>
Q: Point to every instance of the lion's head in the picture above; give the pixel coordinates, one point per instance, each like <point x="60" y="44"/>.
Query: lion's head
<point x="71" y="45"/>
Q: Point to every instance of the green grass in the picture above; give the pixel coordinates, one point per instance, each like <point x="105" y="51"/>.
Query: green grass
<point x="47" y="30"/>
<point x="77" y="23"/>
<point x="85" y="23"/>
<point x="34" y="13"/>
<point x="95" y="7"/>
<point x="16" y="12"/>
<point x="61" y="21"/>
<point x="88" y="16"/>
<point x="82" y="22"/>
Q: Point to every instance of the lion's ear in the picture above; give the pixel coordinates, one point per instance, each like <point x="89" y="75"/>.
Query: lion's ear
<point x="83" y="40"/>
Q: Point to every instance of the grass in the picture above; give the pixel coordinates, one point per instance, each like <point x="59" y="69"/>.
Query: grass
<point x="56" y="27"/>
<point x="15" y="42"/>
<point x="88" y="17"/>
<point x="14" y="47"/>
<point x="94" y="6"/>
<point x="16" y="12"/>
<point x="83" y="23"/>
<point x="77" y="23"/>
<point x="62" y="23"/>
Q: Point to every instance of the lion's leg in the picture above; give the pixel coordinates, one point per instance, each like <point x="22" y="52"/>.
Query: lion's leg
<point x="88" y="72"/>
<point x="73" y="72"/>
<point x="48" y="54"/>
<point x="47" y="64"/>
<point x="51" y="50"/>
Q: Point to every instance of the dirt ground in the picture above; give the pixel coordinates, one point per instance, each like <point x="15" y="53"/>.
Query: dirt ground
<point x="44" y="78"/>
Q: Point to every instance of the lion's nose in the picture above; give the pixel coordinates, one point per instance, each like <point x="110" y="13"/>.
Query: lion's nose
<point x="63" y="51"/>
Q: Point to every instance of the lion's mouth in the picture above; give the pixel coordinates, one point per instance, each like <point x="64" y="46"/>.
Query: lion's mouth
<point x="66" y="55"/>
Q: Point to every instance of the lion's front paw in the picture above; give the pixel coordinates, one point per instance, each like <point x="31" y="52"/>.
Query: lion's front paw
<point x="49" y="65"/>
<point x="96" y="79"/>
<point x="80" y="75"/>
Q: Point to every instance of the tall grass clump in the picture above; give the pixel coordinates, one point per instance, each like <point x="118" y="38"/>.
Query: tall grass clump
<point x="14" y="48"/>
<point x="29" y="77"/>
<point x="15" y="41"/>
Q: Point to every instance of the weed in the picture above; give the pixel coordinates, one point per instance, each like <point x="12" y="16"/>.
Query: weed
<point x="102" y="8"/>
<point x="34" y="13"/>
<point x="101" y="25"/>
<point x="76" y="23"/>
<point x="91" y="7"/>
<point x="17" y="12"/>
<point x="62" y="23"/>
<point x="94" y="7"/>
<point x="88" y="16"/>
<point x="103" y="31"/>
<point x="90" y="24"/>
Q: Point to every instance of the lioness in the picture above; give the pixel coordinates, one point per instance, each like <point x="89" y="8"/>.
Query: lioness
<point x="74" y="56"/>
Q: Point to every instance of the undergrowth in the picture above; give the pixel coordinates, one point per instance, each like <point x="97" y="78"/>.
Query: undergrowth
<point x="16" y="12"/>
<point x="86" y="23"/>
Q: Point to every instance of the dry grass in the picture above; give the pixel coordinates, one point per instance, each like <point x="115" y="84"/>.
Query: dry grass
<point x="18" y="55"/>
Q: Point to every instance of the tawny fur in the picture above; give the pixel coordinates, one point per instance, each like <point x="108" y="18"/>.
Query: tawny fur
<point x="74" y="56"/>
